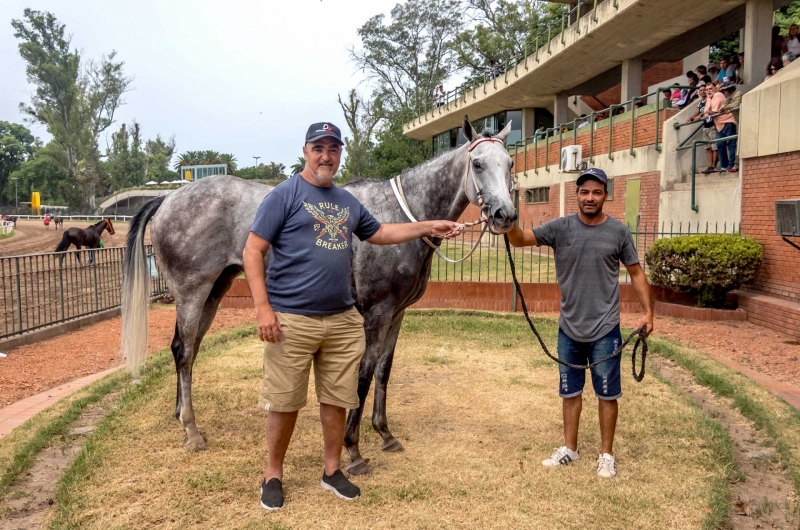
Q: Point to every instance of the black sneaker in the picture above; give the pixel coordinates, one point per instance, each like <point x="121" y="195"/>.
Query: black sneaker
<point x="272" y="494"/>
<point x="338" y="483"/>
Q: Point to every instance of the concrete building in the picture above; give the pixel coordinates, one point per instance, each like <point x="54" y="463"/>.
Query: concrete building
<point x="618" y="54"/>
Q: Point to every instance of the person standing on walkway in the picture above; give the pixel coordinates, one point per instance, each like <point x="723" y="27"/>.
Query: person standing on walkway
<point x="725" y="124"/>
<point x="589" y="247"/>
<point x="305" y="308"/>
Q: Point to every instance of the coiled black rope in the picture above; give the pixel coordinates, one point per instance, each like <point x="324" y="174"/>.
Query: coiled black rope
<point x="640" y="333"/>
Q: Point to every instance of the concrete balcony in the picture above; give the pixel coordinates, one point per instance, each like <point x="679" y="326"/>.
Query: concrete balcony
<point x="587" y="57"/>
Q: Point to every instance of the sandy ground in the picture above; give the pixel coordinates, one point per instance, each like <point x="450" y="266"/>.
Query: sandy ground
<point x="37" y="367"/>
<point x="31" y="237"/>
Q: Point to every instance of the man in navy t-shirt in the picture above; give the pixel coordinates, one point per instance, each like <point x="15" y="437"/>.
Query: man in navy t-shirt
<point x="305" y="308"/>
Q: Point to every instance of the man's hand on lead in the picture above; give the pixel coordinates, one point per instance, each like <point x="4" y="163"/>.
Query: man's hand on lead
<point x="269" y="327"/>
<point x="446" y="229"/>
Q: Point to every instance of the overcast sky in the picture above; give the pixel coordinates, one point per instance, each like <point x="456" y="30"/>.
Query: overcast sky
<point x="244" y="77"/>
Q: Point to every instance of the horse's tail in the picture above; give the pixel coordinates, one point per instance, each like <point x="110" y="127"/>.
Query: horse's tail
<point x="64" y="245"/>
<point x="136" y="289"/>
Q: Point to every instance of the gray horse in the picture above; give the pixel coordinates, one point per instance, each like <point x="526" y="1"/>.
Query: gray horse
<point x="199" y="232"/>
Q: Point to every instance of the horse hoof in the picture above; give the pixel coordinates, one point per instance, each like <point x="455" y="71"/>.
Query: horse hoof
<point x="358" y="467"/>
<point x="392" y="446"/>
<point x="196" y="443"/>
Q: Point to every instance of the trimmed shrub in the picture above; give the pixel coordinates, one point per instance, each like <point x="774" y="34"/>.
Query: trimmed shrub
<point x="705" y="266"/>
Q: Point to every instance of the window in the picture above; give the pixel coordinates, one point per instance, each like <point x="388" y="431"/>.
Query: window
<point x="610" y="188"/>
<point x="441" y="143"/>
<point x="537" y="195"/>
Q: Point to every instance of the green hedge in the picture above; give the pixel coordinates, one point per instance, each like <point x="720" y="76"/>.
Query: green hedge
<point x="705" y="266"/>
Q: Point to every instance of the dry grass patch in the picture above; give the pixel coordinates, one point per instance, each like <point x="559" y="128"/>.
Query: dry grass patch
<point x="475" y="429"/>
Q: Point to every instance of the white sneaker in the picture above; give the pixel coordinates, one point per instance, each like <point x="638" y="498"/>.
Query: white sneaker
<point x="561" y="457"/>
<point x="606" y="466"/>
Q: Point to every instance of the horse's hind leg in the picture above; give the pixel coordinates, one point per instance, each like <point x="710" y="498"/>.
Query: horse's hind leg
<point x="382" y="372"/>
<point x="191" y="326"/>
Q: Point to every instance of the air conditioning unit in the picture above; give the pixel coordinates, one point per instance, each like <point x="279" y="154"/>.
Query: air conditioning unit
<point x="787" y="217"/>
<point x="571" y="157"/>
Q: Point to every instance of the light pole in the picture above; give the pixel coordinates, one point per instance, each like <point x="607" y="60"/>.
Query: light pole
<point x="256" y="157"/>
<point x="16" y="200"/>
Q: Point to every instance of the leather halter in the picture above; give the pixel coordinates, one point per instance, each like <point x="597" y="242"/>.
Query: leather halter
<point x="397" y="189"/>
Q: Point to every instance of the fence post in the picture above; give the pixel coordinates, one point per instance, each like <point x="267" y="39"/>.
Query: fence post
<point x="19" y="295"/>
<point x="94" y="273"/>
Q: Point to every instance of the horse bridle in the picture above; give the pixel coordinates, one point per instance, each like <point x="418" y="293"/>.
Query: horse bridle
<point x="108" y="225"/>
<point x="397" y="189"/>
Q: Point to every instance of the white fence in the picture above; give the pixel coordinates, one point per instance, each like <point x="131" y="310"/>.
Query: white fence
<point x="81" y="217"/>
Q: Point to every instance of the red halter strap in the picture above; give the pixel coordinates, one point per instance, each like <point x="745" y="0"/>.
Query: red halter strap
<point x="476" y="144"/>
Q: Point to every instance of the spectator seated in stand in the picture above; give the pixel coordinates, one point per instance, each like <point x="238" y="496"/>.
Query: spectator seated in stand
<point x="774" y="66"/>
<point x="713" y="72"/>
<point x="778" y="42"/>
<point x="688" y="95"/>
<point x="788" y="57"/>
<point x="639" y="104"/>
<point x="727" y="72"/>
<point x="792" y="42"/>
<point x="702" y="74"/>
<point x="541" y="133"/>
<point x="619" y="110"/>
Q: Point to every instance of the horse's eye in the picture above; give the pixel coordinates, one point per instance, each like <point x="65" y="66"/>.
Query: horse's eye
<point x="476" y="164"/>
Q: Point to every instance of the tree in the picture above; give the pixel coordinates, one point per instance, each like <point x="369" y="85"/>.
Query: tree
<point x="395" y="152"/>
<point x="207" y="158"/>
<point x="412" y="54"/>
<point x="76" y="103"/>
<point x="788" y="15"/>
<point x="273" y="171"/>
<point x="45" y="172"/>
<point x="230" y="160"/>
<point x="17" y="145"/>
<point x="362" y="118"/>
<point x="298" y="166"/>
<point x="499" y="33"/>
<point x="159" y="154"/>
<point x="126" y="160"/>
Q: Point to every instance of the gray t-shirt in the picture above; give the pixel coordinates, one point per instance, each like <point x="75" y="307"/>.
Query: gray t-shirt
<point x="587" y="270"/>
<point x="311" y="232"/>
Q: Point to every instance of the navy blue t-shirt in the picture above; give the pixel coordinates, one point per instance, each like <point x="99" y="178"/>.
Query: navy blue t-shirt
<point x="310" y="230"/>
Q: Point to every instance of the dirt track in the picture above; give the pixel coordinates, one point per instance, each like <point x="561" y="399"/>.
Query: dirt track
<point x="31" y="237"/>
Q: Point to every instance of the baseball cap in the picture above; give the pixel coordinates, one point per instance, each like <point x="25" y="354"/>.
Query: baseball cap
<point x="323" y="129"/>
<point x="595" y="174"/>
<point x="728" y="86"/>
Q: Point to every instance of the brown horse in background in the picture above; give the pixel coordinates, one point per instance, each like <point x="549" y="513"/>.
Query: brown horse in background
<point x="58" y="221"/>
<point x="85" y="237"/>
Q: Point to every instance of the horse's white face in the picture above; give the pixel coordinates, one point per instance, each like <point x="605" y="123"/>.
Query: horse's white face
<point x="491" y="169"/>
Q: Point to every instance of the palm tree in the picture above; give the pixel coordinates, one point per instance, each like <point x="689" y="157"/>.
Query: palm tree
<point x="298" y="166"/>
<point x="230" y="160"/>
<point x="189" y="158"/>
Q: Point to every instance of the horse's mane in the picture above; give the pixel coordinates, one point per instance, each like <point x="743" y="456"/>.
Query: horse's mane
<point x="358" y="181"/>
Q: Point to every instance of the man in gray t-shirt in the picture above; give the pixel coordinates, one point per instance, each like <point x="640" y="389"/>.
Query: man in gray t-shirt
<point x="589" y="247"/>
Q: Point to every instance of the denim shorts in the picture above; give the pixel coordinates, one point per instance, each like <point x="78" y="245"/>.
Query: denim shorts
<point x="605" y="376"/>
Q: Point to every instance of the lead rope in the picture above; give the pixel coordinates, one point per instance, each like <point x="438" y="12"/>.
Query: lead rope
<point x="641" y="332"/>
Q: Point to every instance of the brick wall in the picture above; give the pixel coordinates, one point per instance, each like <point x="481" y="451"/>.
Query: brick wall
<point x="653" y="75"/>
<point x="644" y="134"/>
<point x="536" y="214"/>
<point x="764" y="181"/>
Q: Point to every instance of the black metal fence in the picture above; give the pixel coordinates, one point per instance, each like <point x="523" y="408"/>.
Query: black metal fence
<point x="39" y="290"/>
<point x="489" y="262"/>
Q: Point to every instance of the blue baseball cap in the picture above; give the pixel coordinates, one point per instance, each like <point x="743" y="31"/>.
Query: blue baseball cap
<point x="323" y="130"/>
<point x="593" y="173"/>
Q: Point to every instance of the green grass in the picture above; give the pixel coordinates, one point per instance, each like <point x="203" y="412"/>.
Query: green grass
<point x="491" y="264"/>
<point x="779" y="420"/>
<point x="6" y="236"/>
<point x="155" y="370"/>
<point x="24" y="454"/>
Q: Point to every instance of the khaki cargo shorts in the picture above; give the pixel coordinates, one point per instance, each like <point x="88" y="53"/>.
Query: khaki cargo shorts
<point x="334" y="344"/>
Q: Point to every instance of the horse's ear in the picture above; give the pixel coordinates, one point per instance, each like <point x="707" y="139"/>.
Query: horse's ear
<point x="502" y="135"/>
<point x="468" y="130"/>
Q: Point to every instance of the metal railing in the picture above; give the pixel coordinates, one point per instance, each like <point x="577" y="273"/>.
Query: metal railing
<point x="695" y="144"/>
<point x="489" y="262"/>
<point x="39" y="290"/>
<point x="531" y="48"/>
<point x="547" y="136"/>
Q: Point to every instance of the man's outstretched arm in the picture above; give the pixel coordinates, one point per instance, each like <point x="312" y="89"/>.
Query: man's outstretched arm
<point x="521" y="238"/>
<point x="394" y="233"/>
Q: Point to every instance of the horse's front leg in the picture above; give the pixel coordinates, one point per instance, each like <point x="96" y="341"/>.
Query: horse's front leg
<point x="382" y="372"/>
<point x="375" y="328"/>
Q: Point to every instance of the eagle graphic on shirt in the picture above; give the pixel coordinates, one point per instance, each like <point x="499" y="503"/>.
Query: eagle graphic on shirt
<point x="329" y="224"/>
